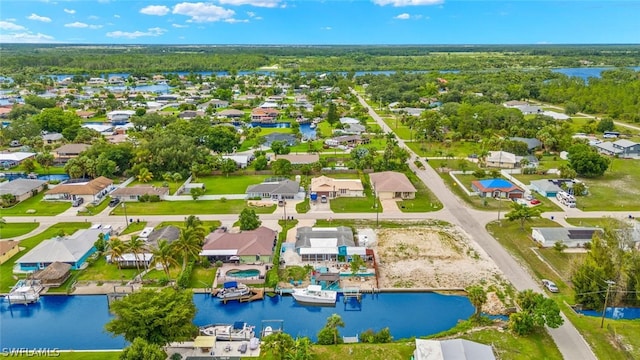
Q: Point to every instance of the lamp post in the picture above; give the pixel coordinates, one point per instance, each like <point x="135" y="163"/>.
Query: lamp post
<point x="124" y="207"/>
<point x="606" y="299"/>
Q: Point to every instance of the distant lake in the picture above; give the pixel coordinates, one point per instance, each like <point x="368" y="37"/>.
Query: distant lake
<point x="586" y="73"/>
<point x="77" y="322"/>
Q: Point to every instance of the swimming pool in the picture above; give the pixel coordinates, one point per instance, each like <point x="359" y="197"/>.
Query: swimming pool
<point x="247" y="273"/>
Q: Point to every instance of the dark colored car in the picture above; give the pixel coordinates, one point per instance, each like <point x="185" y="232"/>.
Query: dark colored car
<point x="114" y="202"/>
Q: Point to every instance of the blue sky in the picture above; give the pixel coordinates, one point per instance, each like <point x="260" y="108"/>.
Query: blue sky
<point x="319" y="22"/>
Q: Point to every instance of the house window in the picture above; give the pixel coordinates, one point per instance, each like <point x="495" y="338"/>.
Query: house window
<point x="343" y="191"/>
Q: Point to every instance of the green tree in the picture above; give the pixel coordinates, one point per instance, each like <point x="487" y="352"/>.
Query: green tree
<point x="330" y="331"/>
<point x="260" y="163"/>
<point x="29" y="165"/>
<point x="586" y="161"/>
<point x="144" y="175"/>
<point x="279" y="345"/>
<point x="115" y="249"/>
<point x="45" y="160"/>
<point x="522" y="213"/>
<point x="301" y="349"/>
<point x="332" y="114"/>
<point x="356" y="264"/>
<point x="249" y="220"/>
<point x="228" y="166"/>
<point x="221" y="139"/>
<point x="605" y="124"/>
<point x="196" y="192"/>
<point x="140" y="349"/>
<point x="280" y="147"/>
<point x="137" y="247"/>
<point x="282" y="167"/>
<point x="158" y="317"/>
<point x="478" y="298"/>
<point x="571" y="108"/>
<point x="189" y="244"/>
<point x="192" y="222"/>
<point x="163" y="254"/>
<point x="536" y="311"/>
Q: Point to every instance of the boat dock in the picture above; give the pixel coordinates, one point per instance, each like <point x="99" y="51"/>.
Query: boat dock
<point x="254" y="294"/>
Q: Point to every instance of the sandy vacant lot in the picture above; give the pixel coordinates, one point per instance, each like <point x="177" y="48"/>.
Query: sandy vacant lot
<point x="435" y="257"/>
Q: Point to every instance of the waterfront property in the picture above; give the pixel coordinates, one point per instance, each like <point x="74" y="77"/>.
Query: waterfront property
<point x="90" y="191"/>
<point x="68" y="151"/>
<point x="497" y="188"/>
<point x="326" y="244"/>
<point x="244" y="247"/>
<point x="22" y="189"/>
<point x="11" y="159"/>
<point x="571" y="237"/>
<point x="53" y="275"/>
<point x="452" y="349"/>
<point x="73" y="250"/>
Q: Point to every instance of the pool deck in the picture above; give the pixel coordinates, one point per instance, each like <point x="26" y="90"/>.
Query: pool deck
<point x="220" y="349"/>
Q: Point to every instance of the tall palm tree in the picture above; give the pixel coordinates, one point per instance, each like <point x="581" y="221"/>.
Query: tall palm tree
<point x="115" y="249"/>
<point x="137" y="246"/>
<point x="192" y="222"/>
<point x="189" y="244"/>
<point x="334" y="322"/>
<point x="164" y="256"/>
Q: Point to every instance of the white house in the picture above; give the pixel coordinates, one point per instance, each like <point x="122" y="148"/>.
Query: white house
<point x="571" y="237"/>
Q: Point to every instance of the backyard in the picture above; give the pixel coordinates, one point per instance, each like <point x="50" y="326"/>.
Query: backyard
<point x="616" y="190"/>
<point x="35" y="206"/>
<point x="232" y="184"/>
<point x="189" y="207"/>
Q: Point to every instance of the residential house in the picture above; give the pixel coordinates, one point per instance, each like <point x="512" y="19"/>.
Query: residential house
<point x="289" y="139"/>
<point x="170" y="233"/>
<point x="532" y="143"/>
<point x="622" y="148"/>
<point x="452" y="349"/>
<point x="497" y="188"/>
<point x="545" y="187"/>
<point x="350" y="129"/>
<point x="214" y="104"/>
<point x="326" y="244"/>
<point x="11" y="159"/>
<point x="502" y="159"/>
<point x="190" y="114"/>
<point x="90" y="191"/>
<point x="300" y="159"/>
<point x="264" y="115"/>
<point x="22" y="189"/>
<point x="571" y="237"/>
<point x="85" y="114"/>
<point x="73" y="250"/>
<point x="275" y="190"/>
<point x="52" y="138"/>
<point x="392" y="185"/>
<point x="347" y="140"/>
<point x="134" y="193"/>
<point x="246" y="246"/>
<point x="333" y="188"/>
<point x="8" y="249"/>
<point x="69" y="151"/>
<point x="242" y="161"/>
<point x="349" y="121"/>
<point x="119" y="117"/>
<point x="231" y="114"/>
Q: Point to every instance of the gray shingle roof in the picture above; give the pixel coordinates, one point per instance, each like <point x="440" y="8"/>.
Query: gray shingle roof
<point x="18" y="187"/>
<point x="285" y="187"/>
<point x="64" y="249"/>
<point x="306" y="233"/>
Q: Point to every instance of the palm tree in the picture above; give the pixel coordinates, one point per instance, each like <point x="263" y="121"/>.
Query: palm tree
<point x="334" y="322"/>
<point x="115" y="249"/>
<point x="136" y="246"/>
<point x="163" y="255"/>
<point x="188" y="244"/>
<point x="192" y="222"/>
<point x="144" y="176"/>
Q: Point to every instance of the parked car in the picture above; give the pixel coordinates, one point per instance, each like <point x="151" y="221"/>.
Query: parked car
<point x="77" y="202"/>
<point x="323" y="199"/>
<point x="550" y="285"/>
<point x="535" y="202"/>
<point x="114" y="202"/>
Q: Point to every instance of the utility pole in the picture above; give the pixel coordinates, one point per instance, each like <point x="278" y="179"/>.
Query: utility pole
<point x="606" y="300"/>
<point x="375" y="204"/>
<point x="124" y="207"/>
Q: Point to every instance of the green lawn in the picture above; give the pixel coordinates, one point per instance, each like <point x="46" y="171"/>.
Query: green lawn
<point x="616" y="190"/>
<point x="397" y="350"/>
<point x="508" y="346"/>
<point x="190" y="207"/>
<point x="94" y="210"/>
<point x="354" y="205"/>
<point x="303" y="207"/>
<point x="10" y="230"/>
<point x="402" y="131"/>
<point x="79" y="355"/>
<point x="562" y="262"/>
<point x="42" y="208"/>
<point x="459" y="149"/>
<point x="424" y="201"/>
<point x="232" y="184"/>
<point x="7" y="279"/>
<point x="100" y="270"/>
<point x="133" y="227"/>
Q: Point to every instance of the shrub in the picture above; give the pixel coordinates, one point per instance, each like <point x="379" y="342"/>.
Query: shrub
<point x="480" y="173"/>
<point x="185" y="277"/>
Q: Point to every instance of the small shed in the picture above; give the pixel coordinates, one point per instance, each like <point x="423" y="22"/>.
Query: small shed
<point x="53" y="275"/>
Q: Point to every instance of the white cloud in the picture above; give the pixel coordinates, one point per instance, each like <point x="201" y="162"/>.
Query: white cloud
<point x="403" y="16"/>
<point x="37" y="17"/>
<point x="69" y="11"/>
<point x="399" y="3"/>
<point x="9" y="26"/>
<point x="26" y="37"/>
<point x="136" y="34"/>
<point x="251" y="14"/>
<point x="81" y="25"/>
<point x="157" y="10"/>
<point x="257" y="3"/>
<point x="179" y="26"/>
<point x="201" y="12"/>
<point x="235" y="21"/>
<point x="116" y="16"/>
<point x="93" y="17"/>
<point x="326" y="28"/>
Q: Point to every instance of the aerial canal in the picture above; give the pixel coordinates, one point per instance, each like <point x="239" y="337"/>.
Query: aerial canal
<point x="77" y="322"/>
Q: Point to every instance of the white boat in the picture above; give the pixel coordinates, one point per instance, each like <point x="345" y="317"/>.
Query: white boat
<point x="24" y="292"/>
<point x="313" y="294"/>
<point x="312" y="126"/>
<point x="239" y="331"/>
<point x="268" y="330"/>
<point x="254" y="343"/>
<point x="233" y="290"/>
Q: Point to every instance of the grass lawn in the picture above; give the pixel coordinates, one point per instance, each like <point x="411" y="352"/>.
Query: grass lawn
<point x="232" y="184"/>
<point x="202" y="277"/>
<point x="562" y="262"/>
<point x="207" y="224"/>
<point x="458" y="149"/>
<point x="10" y="230"/>
<point x="595" y="222"/>
<point x="616" y="190"/>
<point x="94" y="210"/>
<point x="52" y="170"/>
<point x="424" y="201"/>
<point x="100" y="270"/>
<point x="42" y="208"/>
<point x="517" y="242"/>
<point x="402" y="131"/>
<point x="173" y="186"/>
<point x="303" y="207"/>
<point x="6" y="270"/>
<point x="396" y="350"/>
<point x="133" y="227"/>
<point x="508" y="346"/>
<point x="354" y="205"/>
<point x="90" y="355"/>
<point x="190" y="207"/>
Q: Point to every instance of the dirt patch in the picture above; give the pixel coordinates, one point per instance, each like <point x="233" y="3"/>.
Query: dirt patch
<point x="436" y="257"/>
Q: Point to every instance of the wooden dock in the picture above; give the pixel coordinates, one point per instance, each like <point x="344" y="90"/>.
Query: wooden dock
<point x="254" y="294"/>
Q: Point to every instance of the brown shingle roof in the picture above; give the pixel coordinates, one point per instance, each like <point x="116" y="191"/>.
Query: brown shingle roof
<point x="254" y="242"/>
<point x="71" y="149"/>
<point x="6" y="246"/>
<point x="90" y="188"/>
<point x="391" y="181"/>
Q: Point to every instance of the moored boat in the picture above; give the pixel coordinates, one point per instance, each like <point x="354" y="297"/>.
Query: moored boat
<point x="239" y="331"/>
<point x="313" y="294"/>
<point x="233" y="290"/>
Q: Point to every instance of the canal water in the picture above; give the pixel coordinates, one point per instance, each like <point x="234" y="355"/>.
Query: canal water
<point x="77" y="322"/>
